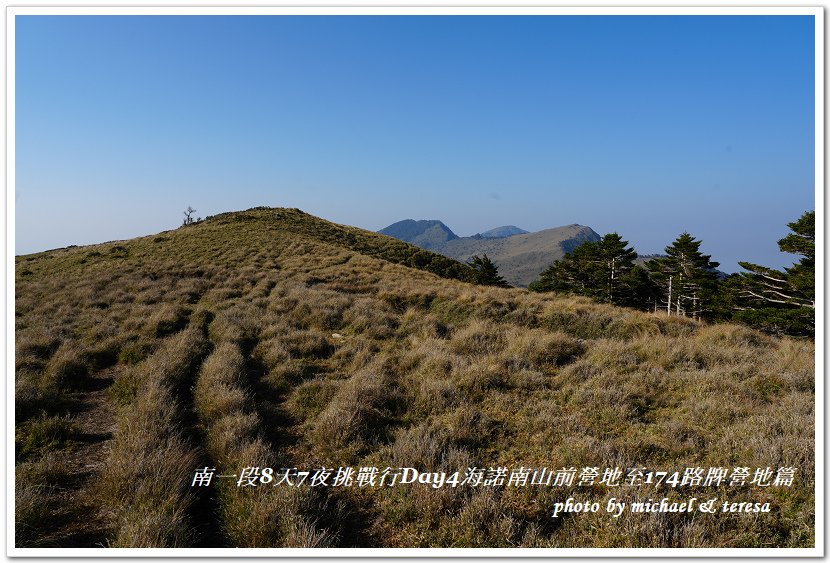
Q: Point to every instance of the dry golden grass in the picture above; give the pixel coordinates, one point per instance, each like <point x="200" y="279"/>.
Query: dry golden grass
<point x="235" y="438"/>
<point x="34" y="492"/>
<point x="272" y="338"/>
<point x="146" y="481"/>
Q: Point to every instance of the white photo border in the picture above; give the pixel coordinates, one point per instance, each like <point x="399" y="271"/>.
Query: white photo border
<point x="389" y="7"/>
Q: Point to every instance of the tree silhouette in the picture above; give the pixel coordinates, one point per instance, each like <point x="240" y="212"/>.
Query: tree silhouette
<point x="486" y="272"/>
<point x="188" y="216"/>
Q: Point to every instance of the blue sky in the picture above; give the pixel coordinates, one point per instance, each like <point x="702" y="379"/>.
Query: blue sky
<point x="647" y="126"/>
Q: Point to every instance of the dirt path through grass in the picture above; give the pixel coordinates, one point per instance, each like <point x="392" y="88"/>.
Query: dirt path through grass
<point x="279" y="428"/>
<point x="80" y="520"/>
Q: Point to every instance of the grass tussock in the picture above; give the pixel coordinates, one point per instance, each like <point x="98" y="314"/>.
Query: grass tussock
<point x="167" y="320"/>
<point x="358" y="415"/>
<point x="42" y="434"/>
<point x="34" y="495"/>
<point x="146" y="479"/>
<point x="67" y="369"/>
<point x="478" y="338"/>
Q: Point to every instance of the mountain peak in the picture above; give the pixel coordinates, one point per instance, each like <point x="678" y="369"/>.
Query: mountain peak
<point x="426" y="233"/>
<point x="520" y="259"/>
<point x="503" y="232"/>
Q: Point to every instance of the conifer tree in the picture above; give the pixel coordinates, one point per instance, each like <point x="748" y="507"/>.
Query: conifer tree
<point x="486" y="273"/>
<point x="643" y="293"/>
<point x="686" y="276"/>
<point x="576" y="272"/>
<point x="603" y="269"/>
<point x="795" y="286"/>
<point x="617" y="261"/>
<point x="782" y="302"/>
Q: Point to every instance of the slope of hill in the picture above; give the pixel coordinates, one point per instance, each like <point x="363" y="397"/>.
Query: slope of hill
<point x="429" y="234"/>
<point x="502" y="232"/>
<point x="520" y="257"/>
<point x="273" y="339"/>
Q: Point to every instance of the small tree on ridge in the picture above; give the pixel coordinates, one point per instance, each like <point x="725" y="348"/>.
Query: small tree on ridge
<point x="486" y="272"/>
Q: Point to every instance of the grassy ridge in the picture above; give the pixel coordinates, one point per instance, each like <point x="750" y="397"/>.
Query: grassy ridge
<point x="361" y="241"/>
<point x="272" y="337"/>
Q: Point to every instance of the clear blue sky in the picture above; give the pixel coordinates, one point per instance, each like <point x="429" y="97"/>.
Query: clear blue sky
<point x="648" y="126"/>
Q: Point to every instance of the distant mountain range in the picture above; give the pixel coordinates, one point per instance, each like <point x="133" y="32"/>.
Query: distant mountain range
<point x="520" y="255"/>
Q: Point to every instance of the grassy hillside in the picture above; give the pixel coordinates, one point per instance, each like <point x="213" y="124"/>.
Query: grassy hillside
<point x="522" y="257"/>
<point x="273" y="338"/>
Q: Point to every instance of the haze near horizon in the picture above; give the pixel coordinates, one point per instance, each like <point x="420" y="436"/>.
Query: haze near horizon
<point x="647" y="126"/>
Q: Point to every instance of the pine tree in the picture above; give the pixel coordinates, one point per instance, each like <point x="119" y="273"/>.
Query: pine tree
<point x="576" y="272"/>
<point x="795" y="286"/>
<point x="782" y="302"/>
<point x="616" y="265"/>
<point x="642" y="292"/>
<point x="686" y="276"/>
<point x="486" y="272"/>
<point x="602" y="269"/>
